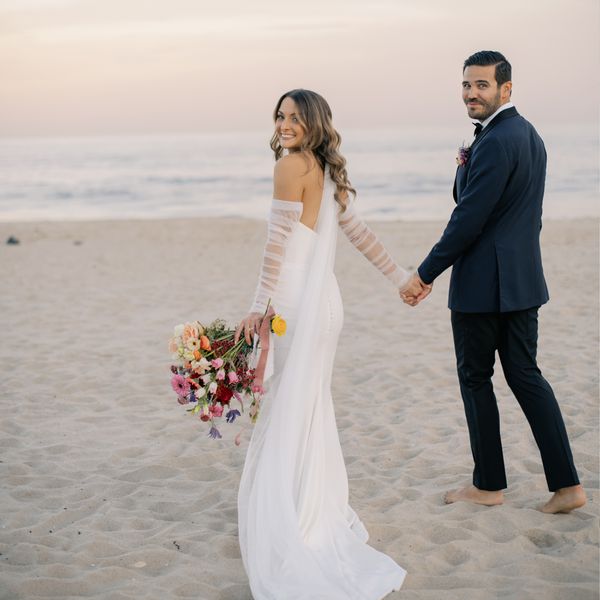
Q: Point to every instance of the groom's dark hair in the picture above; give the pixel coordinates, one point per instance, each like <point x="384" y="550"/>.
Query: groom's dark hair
<point x="485" y="58"/>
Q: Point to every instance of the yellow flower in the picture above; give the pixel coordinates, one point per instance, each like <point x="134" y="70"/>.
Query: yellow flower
<point x="278" y="325"/>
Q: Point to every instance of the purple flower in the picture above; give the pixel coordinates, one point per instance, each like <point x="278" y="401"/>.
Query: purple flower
<point x="214" y="433"/>
<point x="463" y="155"/>
<point x="181" y="385"/>
<point x="231" y="415"/>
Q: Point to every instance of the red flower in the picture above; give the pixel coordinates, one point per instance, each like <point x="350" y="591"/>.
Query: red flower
<point x="223" y="394"/>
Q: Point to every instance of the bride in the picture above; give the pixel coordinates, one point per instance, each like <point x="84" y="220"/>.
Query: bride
<point x="299" y="538"/>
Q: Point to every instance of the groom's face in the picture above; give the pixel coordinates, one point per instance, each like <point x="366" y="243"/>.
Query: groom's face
<point x="480" y="92"/>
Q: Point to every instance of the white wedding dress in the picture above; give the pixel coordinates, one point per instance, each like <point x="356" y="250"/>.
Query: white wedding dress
<point x="299" y="538"/>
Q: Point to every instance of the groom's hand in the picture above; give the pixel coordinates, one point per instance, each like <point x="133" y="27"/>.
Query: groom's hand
<point x="415" y="291"/>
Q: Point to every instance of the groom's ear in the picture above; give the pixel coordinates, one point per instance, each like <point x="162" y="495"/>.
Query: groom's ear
<point x="506" y="90"/>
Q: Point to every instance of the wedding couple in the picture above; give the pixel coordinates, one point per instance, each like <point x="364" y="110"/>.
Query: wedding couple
<point x="299" y="537"/>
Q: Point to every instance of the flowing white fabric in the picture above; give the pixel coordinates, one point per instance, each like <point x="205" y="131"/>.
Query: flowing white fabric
<point x="299" y="538"/>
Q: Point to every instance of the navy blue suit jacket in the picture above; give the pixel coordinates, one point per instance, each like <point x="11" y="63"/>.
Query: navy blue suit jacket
<point x="493" y="236"/>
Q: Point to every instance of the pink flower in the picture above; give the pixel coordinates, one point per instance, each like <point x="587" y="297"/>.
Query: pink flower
<point x="216" y="410"/>
<point x="217" y="363"/>
<point x="220" y="374"/>
<point x="180" y="385"/>
<point x="232" y="376"/>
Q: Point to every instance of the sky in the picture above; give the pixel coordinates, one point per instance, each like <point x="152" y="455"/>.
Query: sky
<point x="88" y="67"/>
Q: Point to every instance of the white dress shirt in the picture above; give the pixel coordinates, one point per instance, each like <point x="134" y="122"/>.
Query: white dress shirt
<point x="485" y="123"/>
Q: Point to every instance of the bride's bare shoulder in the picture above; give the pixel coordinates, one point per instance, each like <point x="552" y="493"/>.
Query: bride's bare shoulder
<point x="289" y="177"/>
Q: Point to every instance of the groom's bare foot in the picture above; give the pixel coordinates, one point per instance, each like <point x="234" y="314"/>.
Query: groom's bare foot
<point x="565" y="500"/>
<point x="475" y="496"/>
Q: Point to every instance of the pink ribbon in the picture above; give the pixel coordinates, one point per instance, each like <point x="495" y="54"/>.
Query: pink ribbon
<point x="264" y="337"/>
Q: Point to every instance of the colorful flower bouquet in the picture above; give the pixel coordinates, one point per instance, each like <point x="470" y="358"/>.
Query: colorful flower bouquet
<point x="212" y="370"/>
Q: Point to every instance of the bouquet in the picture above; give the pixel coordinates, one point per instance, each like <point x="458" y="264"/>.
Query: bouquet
<point x="212" y="371"/>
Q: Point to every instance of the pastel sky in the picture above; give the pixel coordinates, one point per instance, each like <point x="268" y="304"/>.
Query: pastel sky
<point x="78" y="67"/>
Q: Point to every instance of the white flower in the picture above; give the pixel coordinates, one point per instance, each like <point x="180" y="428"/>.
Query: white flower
<point x="193" y="344"/>
<point x="188" y="355"/>
<point x="200" y="392"/>
<point x="212" y="388"/>
<point x="200" y="366"/>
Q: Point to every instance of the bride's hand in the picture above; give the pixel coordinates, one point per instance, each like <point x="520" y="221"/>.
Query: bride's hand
<point x="250" y="325"/>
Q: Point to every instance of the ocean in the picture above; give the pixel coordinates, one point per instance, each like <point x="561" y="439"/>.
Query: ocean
<point x="399" y="175"/>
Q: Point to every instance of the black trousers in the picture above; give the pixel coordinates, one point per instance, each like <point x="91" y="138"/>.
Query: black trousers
<point x="477" y="337"/>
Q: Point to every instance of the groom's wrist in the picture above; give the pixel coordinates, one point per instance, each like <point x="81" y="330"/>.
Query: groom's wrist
<point x="425" y="280"/>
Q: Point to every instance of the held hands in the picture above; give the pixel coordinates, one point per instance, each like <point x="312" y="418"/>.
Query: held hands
<point x="415" y="291"/>
<point x="249" y="325"/>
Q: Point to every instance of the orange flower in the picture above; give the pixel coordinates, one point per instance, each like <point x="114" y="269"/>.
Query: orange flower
<point x="204" y="343"/>
<point x="197" y="354"/>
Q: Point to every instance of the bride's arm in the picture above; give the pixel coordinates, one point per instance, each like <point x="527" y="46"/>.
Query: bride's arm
<point x="363" y="238"/>
<point x="283" y="217"/>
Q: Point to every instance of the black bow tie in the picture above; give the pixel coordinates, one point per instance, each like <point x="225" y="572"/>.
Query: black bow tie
<point x="478" y="128"/>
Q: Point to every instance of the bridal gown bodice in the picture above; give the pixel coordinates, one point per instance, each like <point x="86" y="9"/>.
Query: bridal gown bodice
<point x="299" y="538"/>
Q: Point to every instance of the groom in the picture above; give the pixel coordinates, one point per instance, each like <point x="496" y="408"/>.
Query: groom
<point x="497" y="285"/>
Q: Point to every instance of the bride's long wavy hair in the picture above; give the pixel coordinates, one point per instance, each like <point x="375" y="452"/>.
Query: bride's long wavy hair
<point x="321" y="138"/>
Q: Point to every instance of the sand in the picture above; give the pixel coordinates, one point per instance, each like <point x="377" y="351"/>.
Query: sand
<point x="111" y="490"/>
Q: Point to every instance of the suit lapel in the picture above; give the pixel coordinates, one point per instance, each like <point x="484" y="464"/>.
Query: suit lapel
<point x="459" y="181"/>
<point x="461" y="172"/>
<point x="454" y="191"/>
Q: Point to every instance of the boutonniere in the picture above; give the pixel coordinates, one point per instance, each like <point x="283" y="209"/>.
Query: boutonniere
<point x="462" y="157"/>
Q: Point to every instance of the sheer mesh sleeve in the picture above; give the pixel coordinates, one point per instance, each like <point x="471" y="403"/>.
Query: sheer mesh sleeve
<point x="282" y="219"/>
<point x="361" y="237"/>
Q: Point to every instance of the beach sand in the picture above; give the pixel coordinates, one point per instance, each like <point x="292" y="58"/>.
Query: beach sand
<point x="110" y="490"/>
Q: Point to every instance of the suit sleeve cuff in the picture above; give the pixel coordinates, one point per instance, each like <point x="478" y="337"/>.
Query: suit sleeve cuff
<point x="424" y="277"/>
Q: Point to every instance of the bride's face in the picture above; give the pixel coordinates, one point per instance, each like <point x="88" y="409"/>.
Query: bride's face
<point x="288" y="127"/>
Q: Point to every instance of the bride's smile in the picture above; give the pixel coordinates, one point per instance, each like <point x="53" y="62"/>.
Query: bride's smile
<point x="288" y="126"/>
